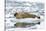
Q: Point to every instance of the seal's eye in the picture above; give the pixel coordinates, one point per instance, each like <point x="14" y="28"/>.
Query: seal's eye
<point x="15" y="14"/>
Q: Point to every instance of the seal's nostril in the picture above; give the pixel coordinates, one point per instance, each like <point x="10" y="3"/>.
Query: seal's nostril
<point x="15" y="14"/>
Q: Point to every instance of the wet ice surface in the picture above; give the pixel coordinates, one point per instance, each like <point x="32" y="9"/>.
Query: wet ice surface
<point x="35" y="8"/>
